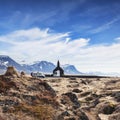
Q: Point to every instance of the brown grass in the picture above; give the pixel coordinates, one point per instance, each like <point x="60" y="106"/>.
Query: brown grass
<point x="6" y="85"/>
<point x="40" y="112"/>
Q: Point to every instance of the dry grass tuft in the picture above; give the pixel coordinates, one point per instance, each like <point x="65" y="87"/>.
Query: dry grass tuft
<point x="40" y="112"/>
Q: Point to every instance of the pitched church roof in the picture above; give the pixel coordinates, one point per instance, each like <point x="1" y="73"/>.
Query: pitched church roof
<point x="58" y="68"/>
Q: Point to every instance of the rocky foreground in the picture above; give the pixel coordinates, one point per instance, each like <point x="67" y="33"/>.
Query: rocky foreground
<point x="88" y="98"/>
<point x="27" y="98"/>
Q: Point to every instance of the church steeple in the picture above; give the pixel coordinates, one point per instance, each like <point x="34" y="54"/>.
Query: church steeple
<point x="58" y="71"/>
<point x="58" y="64"/>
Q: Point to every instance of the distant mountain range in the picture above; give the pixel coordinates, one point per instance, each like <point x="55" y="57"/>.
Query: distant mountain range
<point x="70" y="69"/>
<point x="40" y="66"/>
<point x="45" y="67"/>
<point x="104" y="73"/>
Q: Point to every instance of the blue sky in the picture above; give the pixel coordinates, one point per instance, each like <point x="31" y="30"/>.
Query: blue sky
<point x="81" y="32"/>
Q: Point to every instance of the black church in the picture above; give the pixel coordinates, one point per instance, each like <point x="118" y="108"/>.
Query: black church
<point x="58" y="71"/>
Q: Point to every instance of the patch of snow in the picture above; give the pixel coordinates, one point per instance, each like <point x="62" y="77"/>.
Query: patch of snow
<point x="67" y="70"/>
<point x="41" y="67"/>
<point x="5" y="63"/>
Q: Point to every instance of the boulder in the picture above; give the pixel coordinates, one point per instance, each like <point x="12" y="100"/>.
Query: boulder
<point x="11" y="71"/>
<point x="116" y="95"/>
<point x="70" y="98"/>
<point x="77" y="90"/>
<point x="81" y="115"/>
<point x="22" y="74"/>
<point x="105" y="108"/>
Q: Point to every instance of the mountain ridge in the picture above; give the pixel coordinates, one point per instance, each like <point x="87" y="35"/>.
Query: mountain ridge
<point x="39" y="66"/>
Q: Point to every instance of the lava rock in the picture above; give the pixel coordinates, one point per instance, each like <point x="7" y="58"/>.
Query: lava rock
<point x="81" y="115"/>
<point x="77" y="90"/>
<point x="48" y="88"/>
<point x="106" y="108"/>
<point x="73" y="98"/>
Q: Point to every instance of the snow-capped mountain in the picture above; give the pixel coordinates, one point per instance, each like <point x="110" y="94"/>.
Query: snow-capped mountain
<point x="43" y="66"/>
<point x="40" y="66"/>
<point x="70" y="69"/>
<point x="47" y="67"/>
<point x="6" y="61"/>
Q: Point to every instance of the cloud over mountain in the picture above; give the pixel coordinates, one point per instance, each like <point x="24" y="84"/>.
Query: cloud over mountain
<point x="45" y="44"/>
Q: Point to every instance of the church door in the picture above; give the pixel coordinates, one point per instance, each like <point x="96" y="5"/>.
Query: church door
<point x="58" y="73"/>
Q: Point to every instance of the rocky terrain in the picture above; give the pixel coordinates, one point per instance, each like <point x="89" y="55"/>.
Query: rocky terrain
<point x="88" y="98"/>
<point x="23" y="97"/>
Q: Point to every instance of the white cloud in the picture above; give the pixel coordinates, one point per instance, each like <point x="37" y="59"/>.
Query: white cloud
<point x="117" y="39"/>
<point x="42" y="44"/>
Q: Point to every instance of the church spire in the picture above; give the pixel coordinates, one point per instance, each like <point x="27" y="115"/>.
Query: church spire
<point x="58" y="71"/>
<point x="58" y="64"/>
